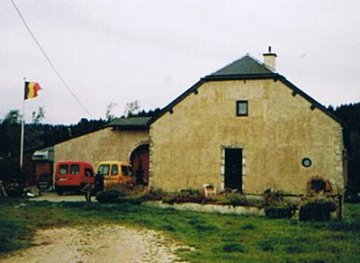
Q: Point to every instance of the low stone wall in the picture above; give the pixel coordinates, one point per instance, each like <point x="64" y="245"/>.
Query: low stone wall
<point x="211" y="208"/>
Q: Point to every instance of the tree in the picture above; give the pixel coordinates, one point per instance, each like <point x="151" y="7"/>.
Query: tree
<point x="109" y="116"/>
<point x="131" y="108"/>
<point x="39" y="115"/>
<point x="12" y="117"/>
<point x="350" y="115"/>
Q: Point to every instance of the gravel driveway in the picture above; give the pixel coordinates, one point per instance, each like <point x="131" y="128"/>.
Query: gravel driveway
<point x="54" y="197"/>
<point x="108" y="243"/>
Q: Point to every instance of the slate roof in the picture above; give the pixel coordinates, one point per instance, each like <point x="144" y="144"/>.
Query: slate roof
<point x="245" y="68"/>
<point x="130" y="123"/>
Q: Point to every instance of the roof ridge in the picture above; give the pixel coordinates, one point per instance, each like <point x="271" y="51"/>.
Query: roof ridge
<point x="246" y="65"/>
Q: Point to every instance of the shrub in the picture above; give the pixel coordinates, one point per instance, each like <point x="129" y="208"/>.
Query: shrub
<point x="317" y="209"/>
<point x="154" y="195"/>
<point x="122" y="189"/>
<point x="169" y="199"/>
<point x="280" y="211"/>
<point x="108" y="196"/>
<point x="184" y="196"/>
<point x="272" y="197"/>
<point x="275" y="206"/>
<point x="233" y="199"/>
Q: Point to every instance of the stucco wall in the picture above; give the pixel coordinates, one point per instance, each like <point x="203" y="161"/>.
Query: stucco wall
<point x="187" y="146"/>
<point x="105" y="144"/>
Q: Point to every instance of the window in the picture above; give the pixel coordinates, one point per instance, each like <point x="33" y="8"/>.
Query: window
<point x="89" y="172"/>
<point x="104" y="169"/>
<point x="63" y="169"/>
<point x="124" y="170"/>
<point x="306" y="162"/>
<point x="242" y="108"/>
<point x="74" y="169"/>
<point x="114" y="169"/>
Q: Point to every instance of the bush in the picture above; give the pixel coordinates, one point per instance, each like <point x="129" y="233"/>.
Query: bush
<point x="116" y="197"/>
<point x="234" y="199"/>
<point x="131" y="200"/>
<point x="317" y="209"/>
<point x="108" y="196"/>
<point x="272" y="197"/>
<point x="122" y="189"/>
<point x="154" y="195"/>
<point x="280" y="211"/>
<point x="185" y="196"/>
<point x="275" y="206"/>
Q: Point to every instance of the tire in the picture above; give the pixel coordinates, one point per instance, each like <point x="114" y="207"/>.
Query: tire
<point x="59" y="190"/>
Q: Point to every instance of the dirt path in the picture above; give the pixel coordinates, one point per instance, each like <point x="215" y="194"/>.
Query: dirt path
<point x="100" y="244"/>
<point x="53" y="197"/>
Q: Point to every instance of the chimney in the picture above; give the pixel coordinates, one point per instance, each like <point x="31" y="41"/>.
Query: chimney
<point x="270" y="59"/>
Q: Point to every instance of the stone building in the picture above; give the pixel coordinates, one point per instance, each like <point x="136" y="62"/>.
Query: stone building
<point x="246" y="127"/>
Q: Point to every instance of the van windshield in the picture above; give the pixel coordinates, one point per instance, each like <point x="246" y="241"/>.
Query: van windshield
<point x="63" y="169"/>
<point x="104" y="169"/>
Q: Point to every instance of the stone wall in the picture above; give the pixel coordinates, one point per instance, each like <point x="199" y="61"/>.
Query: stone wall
<point x="187" y="145"/>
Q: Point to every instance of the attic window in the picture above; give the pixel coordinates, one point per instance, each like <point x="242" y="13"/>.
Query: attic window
<point x="242" y="108"/>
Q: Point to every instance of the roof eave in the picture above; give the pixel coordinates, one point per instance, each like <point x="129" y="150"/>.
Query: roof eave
<point x="240" y="76"/>
<point x="314" y="103"/>
<point x="274" y="76"/>
<point x="130" y="127"/>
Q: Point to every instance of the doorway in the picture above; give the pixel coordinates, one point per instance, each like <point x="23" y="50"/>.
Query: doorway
<point x="233" y="168"/>
<point x="140" y="163"/>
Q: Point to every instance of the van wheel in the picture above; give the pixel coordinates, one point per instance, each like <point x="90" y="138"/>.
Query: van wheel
<point x="59" y="191"/>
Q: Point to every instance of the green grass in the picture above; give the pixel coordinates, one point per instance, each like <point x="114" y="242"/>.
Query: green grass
<point x="217" y="238"/>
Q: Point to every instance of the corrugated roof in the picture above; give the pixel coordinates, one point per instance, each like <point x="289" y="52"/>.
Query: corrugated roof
<point x="243" y="66"/>
<point x="130" y="123"/>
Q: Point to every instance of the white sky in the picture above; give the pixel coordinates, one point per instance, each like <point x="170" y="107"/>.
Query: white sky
<point x="152" y="51"/>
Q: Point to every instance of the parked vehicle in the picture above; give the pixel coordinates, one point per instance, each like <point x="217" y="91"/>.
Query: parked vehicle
<point x="73" y="176"/>
<point x="116" y="173"/>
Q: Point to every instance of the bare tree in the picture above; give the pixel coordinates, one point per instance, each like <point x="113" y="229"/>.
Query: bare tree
<point x="131" y="108"/>
<point x="109" y="115"/>
<point x="39" y="115"/>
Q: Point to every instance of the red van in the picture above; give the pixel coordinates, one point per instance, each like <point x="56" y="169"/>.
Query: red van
<point x="72" y="175"/>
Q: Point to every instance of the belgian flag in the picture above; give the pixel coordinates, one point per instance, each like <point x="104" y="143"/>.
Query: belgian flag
<point x="31" y="90"/>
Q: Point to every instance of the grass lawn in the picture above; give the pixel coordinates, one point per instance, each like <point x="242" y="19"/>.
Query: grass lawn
<point x="217" y="238"/>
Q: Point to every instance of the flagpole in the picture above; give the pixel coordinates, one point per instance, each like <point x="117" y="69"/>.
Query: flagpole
<point x="22" y="132"/>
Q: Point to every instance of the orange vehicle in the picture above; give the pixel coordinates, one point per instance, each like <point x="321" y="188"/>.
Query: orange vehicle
<point x="116" y="173"/>
<point x="72" y="176"/>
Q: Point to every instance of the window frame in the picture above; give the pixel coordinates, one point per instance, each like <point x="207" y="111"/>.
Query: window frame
<point x="238" y="103"/>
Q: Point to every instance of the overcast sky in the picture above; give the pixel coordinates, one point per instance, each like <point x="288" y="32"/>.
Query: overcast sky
<point x="112" y="51"/>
